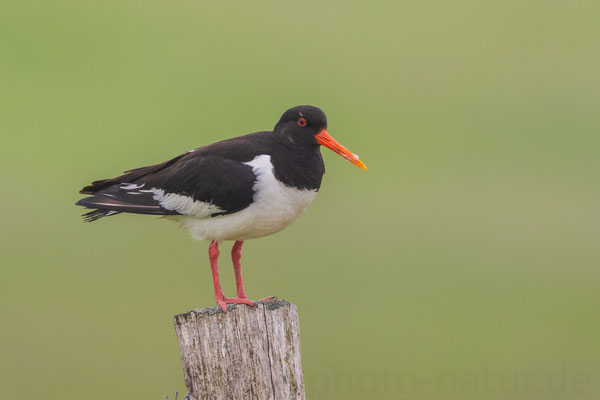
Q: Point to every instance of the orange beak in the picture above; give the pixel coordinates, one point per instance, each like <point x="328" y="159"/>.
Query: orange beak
<point x="329" y="142"/>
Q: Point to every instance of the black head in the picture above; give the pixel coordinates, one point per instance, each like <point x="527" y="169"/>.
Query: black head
<point x="307" y="126"/>
<point x="300" y="124"/>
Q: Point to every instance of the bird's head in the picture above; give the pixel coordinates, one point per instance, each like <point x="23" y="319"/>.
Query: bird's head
<point x="307" y="125"/>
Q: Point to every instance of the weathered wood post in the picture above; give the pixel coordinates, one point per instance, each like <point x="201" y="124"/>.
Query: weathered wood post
<point x="246" y="353"/>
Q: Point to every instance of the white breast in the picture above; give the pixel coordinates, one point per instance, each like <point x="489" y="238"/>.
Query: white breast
<point x="275" y="207"/>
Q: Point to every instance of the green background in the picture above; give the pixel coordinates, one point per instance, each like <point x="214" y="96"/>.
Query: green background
<point x="463" y="264"/>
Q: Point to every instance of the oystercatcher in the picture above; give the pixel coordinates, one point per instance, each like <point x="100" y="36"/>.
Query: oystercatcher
<point x="237" y="189"/>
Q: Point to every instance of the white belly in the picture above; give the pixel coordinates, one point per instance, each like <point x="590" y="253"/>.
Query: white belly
<point x="274" y="208"/>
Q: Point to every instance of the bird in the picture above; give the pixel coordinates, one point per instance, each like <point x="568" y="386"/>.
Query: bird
<point x="236" y="189"/>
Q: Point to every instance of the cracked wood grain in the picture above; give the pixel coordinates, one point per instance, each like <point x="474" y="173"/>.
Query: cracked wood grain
<point x="246" y="353"/>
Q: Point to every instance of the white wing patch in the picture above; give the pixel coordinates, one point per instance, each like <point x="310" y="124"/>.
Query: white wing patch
<point x="184" y="204"/>
<point x="131" y="186"/>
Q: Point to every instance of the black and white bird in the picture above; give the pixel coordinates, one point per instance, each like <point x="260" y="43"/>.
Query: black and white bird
<point x="237" y="189"/>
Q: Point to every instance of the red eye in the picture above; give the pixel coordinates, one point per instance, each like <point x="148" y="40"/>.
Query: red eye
<point x="302" y="121"/>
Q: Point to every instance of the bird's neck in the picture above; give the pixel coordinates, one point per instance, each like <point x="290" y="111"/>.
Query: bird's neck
<point x="301" y="167"/>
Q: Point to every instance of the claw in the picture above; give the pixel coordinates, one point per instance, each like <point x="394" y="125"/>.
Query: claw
<point x="224" y="301"/>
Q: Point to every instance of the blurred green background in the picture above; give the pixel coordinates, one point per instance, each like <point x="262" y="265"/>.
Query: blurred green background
<point x="463" y="264"/>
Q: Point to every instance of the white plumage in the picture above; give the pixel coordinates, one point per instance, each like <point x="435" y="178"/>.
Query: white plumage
<point x="184" y="204"/>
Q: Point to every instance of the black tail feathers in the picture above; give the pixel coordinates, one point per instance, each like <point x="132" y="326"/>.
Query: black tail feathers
<point x="95" y="215"/>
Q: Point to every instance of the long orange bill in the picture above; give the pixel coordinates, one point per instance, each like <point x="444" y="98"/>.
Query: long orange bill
<point x="329" y="142"/>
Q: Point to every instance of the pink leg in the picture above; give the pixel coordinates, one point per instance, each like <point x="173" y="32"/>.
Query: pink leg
<point x="236" y="255"/>
<point x="213" y="254"/>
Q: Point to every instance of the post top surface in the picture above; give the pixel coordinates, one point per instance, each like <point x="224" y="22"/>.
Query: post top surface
<point x="270" y="305"/>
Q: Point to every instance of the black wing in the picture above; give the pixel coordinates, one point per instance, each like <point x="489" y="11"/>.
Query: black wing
<point x="210" y="175"/>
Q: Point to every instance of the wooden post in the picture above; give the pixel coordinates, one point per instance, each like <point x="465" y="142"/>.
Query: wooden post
<point x="246" y="353"/>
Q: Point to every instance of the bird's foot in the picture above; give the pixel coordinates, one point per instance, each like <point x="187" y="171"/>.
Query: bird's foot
<point x="222" y="302"/>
